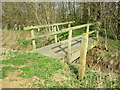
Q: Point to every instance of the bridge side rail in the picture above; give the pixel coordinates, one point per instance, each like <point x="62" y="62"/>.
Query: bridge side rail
<point x="57" y="32"/>
<point x="62" y="31"/>
<point x="49" y="26"/>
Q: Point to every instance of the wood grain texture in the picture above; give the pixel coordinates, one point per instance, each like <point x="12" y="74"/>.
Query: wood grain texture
<point x="83" y="55"/>
<point x="33" y="41"/>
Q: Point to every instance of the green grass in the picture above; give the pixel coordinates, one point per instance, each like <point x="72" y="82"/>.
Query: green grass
<point x="46" y="68"/>
<point x="36" y="63"/>
<point x="6" y="70"/>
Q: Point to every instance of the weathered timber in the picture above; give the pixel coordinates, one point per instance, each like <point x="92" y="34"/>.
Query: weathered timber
<point x="62" y="31"/>
<point x="83" y="55"/>
<point x="69" y="45"/>
<point x="76" y="51"/>
<point x="38" y="29"/>
<point x="60" y="51"/>
<point x="58" y="28"/>
<point x="97" y="34"/>
<point x="55" y="34"/>
<point x="87" y="29"/>
<point x="73" y="38"/>
<point x="55" y="38"/>
<point x="33" y="41"/>
<point x="48" y="25"/>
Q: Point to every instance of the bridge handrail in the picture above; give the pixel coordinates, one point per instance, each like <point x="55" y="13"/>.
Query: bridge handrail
<point x="63" y="30"/>
<point x="66" y="41"/>
<point x="47" y="25"/>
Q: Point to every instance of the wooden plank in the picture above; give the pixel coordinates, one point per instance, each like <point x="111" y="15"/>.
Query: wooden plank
<point x="92" y="32"/>
<point x="47" y="25"/>
<point x="33" y="41"/>
<point x="92" y="44"/>
<point x="83" y="55"/>
<point x="60" y="51"/>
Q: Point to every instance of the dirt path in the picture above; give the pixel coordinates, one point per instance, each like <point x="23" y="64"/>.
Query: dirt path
<point x="13" y="81"/>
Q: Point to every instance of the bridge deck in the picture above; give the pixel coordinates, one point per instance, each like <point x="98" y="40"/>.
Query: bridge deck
<point x="60" y="51"/>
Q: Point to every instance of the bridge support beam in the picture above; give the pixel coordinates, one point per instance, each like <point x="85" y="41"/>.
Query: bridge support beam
<point x="83" y="53"/>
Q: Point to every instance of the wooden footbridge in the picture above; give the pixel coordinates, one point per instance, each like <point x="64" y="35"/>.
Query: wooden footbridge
<point x="69" y="49"/>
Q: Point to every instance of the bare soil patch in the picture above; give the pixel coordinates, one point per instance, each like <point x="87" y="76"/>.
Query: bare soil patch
<point x="13" y="81"/>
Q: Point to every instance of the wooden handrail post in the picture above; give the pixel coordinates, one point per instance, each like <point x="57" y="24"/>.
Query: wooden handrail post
<point x="58" y="28"/>
<point x="55" y="34"/>
<point x="55" y="38"/>
<point x="38" y="29"/>
<point x="69" y="45"/>
<point x="97" y="33"/>
<point x="69" y="25"/>
<point x="83" y="52"/>
<point x="52" y="29"/>
<point x="87" y="29"/>
<point x="49" y="29"/>
<point x="33" y="41"/>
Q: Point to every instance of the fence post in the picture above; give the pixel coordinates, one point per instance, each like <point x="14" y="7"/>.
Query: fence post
<point x="52" y="29"/>
<point x="55" y="34"/>
<point x="58" y="28"/>
<point x="87" y="28"/>
<point x="83" y="52"/>
<point x="38" y="29"/>
<point x="69" y="44"/>
<point x="97" y="33"/>
<point x="33" y="41"/>
<point x="69" y="25"/>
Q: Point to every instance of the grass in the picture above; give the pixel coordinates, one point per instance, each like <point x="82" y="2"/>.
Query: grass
<point x="6" y="70"/>
<point x="53" y="72"/>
